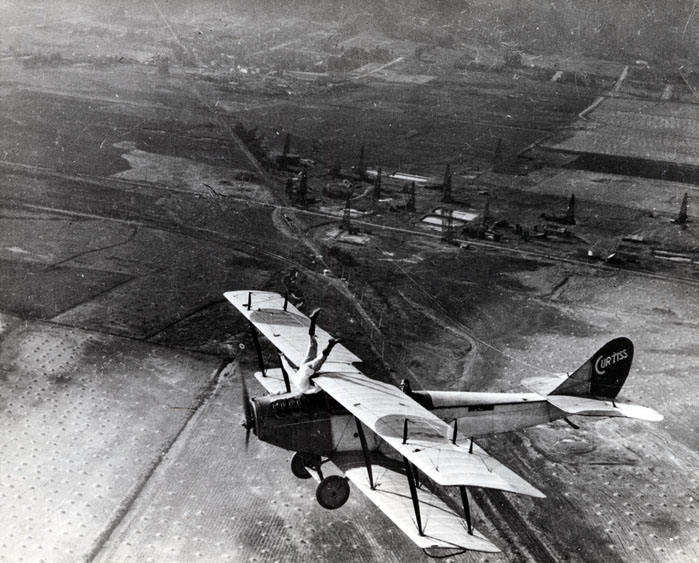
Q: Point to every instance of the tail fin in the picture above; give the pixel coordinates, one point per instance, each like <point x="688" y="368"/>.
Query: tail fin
<point x="599" y="378"/>
<point x="603" y="375"/>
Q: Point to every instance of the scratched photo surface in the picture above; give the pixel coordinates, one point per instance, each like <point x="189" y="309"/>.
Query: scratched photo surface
<point x="474" y="194"/>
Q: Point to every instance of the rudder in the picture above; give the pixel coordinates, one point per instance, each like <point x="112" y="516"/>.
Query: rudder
<point x="603" y="375"/>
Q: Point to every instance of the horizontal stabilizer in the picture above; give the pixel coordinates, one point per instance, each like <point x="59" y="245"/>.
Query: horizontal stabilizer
<point x="544" y="385"/>
<point x="442" y="527"/>
<point x="588" y="406"/>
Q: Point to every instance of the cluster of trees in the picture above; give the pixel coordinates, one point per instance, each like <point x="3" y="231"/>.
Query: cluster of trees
<point x="654" y="30"/>
<point x="38" y="60"/>
<point x="658" y="31"/>
<point x="356" y="57"/>
<point x="43" y="60"/>
<point x="183" y="56"/>
<point x="292" y="59"/>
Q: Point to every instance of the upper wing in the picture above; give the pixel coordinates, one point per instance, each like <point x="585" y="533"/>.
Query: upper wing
<point x="286" y="328"/>
<point x="428" y="440"/>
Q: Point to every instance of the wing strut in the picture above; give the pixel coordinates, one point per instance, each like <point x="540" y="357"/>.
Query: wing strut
<point x="467" y="509"/>
<point x="258" y="349"/>
<point x="365" y="450"/>
<point x="413" y="493"/>
<point x="285" y="375"/>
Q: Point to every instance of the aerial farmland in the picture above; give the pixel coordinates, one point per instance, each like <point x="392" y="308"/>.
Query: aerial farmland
<point x="421" y="205"/>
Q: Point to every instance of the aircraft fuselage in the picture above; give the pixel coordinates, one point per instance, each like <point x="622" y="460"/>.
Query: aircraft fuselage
<point x="480" y="414"/>
<point x="315" y="424"/>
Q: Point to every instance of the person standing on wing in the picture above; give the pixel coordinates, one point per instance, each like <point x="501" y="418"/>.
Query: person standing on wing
<point x="313" y="361"/>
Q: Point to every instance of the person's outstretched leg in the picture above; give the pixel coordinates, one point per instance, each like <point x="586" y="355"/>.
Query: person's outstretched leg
<point x="313" y="316"/>
<point x="317" y="363"/>
<point x="330" y="345"/>
<point x="312" y="351"/>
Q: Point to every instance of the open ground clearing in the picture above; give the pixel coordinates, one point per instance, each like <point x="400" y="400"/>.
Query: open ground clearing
<point x="129" y="204"/>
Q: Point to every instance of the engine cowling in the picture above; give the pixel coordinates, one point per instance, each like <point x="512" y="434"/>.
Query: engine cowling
<point x="295" y="422"/>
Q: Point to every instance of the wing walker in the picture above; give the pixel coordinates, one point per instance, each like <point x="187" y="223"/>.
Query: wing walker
<point x="396" y="445"/>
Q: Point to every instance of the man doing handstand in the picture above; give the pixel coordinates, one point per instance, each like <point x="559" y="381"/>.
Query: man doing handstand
<point x="313" y="361"/>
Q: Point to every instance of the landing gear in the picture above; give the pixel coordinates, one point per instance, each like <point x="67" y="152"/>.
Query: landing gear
<point x="299" y="463"/>
<point x="332" y="492"/>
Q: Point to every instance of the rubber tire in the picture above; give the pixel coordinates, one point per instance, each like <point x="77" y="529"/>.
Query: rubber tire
<point x="332" y="492"/>
<point x="298" y="467"/>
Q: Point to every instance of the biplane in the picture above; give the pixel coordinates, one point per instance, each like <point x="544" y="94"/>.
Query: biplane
<point x="399" y="446"/>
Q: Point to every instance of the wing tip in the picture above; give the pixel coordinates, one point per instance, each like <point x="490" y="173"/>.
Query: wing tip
<point x="473" y="541"/>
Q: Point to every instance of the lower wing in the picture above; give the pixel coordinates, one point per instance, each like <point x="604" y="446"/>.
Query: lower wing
<point x="442" y="527"/>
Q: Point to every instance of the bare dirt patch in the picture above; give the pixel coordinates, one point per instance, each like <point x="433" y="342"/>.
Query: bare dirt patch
<point x="90" y="411"/>
<point x="32" y="290"/>
<point x="85" y="418"/>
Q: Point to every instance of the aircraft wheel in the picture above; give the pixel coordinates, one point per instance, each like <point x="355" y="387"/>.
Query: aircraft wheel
<point x="332" y="492"/>
<point x="298" y="466"/>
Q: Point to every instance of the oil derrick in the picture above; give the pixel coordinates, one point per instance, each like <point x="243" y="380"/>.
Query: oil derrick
<point x="411" y="199"/>
<point x="163" y="63"/>
<point x="377" y="185"/>
<point x="681" y="218"/>
<point x="303" y="187"/>
<point x="570" y="212"/>
<point x="487" y="219"/>
<point x="347" y="217"/>
<point x="446" y="186"/>
<point x="287" y="158"/>
<point x="568" y="218"/>
<point x="497" y="158"/>
<point x="361" y="167"/>
<point x="287" y="146"/>
<point x="335" y="169"/>
<point x="448" y="225"/>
